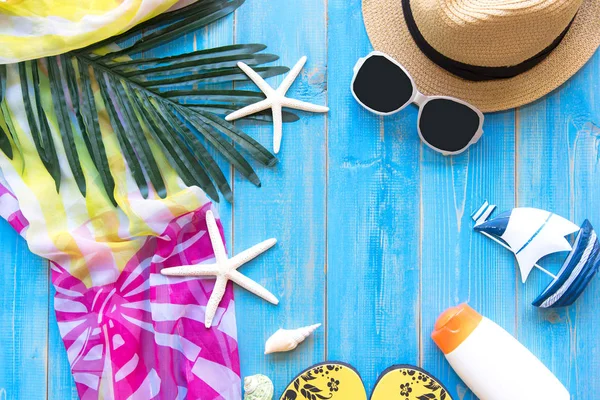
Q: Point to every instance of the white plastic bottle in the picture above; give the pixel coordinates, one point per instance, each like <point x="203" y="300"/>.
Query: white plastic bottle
<point x="490" y="361"/>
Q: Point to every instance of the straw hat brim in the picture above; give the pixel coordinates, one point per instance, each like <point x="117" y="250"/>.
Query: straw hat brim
<point x="388" y="33"/>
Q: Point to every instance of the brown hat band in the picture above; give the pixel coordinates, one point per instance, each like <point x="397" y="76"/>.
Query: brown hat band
<point x="474" y="72"/>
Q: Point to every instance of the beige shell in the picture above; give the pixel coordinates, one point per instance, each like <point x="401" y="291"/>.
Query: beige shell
<point x="258" y="387"/>
<point x="288" y="339"/>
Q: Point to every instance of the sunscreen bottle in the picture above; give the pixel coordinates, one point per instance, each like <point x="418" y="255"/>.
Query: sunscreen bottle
<point x="490" y="361"/>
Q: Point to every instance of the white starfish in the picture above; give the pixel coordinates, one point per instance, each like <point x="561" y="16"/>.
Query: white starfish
<point x="275" y="100"/>
<point x="225" y="269"/>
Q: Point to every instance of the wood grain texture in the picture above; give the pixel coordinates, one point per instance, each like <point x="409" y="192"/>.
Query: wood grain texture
<point x="558" y="169"/>
<point x="290" y="206"/>
<point x="459" y="265"/>
<point x="372" y="217"/>
<point x="24" y="316"/>
<point x="374" y="229"/>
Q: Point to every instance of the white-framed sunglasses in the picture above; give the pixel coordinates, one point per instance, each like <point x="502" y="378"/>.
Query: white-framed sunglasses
<point x="445" y="124"/>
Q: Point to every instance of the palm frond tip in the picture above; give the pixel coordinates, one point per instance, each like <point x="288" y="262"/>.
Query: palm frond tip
<point x="147" y="100"/>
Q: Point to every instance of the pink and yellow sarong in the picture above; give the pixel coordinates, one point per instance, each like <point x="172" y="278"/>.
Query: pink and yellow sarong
<point x="129" y="332"/>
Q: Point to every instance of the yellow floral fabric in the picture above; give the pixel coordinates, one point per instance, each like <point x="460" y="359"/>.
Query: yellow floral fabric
<point x="32" y="29"/>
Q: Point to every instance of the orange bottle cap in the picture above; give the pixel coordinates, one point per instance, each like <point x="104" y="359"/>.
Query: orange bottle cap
<point x="453" y="326"/>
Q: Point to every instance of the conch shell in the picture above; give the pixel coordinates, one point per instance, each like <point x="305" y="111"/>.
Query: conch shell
<point x="288" y="339"/>
<point x="258" y="387"/>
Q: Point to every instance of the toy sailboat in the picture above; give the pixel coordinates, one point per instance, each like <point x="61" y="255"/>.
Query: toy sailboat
<point x="531" y="234"/>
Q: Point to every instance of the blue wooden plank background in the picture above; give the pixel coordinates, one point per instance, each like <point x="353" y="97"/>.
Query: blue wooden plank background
<point x="374" y="233"/>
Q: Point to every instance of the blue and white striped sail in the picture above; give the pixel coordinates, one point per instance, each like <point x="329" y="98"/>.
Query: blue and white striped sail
<point x="530" y="233"/>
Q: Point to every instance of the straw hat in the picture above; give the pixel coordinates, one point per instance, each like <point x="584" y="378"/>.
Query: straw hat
<point x="508" y="52"/>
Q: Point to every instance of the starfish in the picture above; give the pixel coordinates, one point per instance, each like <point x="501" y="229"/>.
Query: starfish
<point x="225" y="269"/>
<point x="275" y="100"/>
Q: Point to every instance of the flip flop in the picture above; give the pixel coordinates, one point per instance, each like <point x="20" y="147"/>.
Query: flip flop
<point x="339" y="381"/>
<point x="407" y="382"/>
<point x="326" y="381"/>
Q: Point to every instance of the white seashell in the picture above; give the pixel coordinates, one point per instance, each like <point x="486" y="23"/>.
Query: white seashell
<point x="258" y="387"/>
<point x="288" y="339"/>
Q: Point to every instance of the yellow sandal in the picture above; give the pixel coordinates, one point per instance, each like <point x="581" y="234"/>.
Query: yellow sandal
<point x="326" y="381"/>
<point x="407" y="382"/>
<point x="339" y="381"/>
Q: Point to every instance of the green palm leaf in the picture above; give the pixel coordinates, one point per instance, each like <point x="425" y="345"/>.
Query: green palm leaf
<point x="2" y="82"/>
<point x="159" y="100"/>
<point x="201" y="14"/>
<point x="36" y="117"/>
<point x="136" y="135"/>
<point x="202" y="155"/>
<point x="64" y="122"/>
<point x="91" y="131"/>
<point x="195" y="66"/>
<point x="128" y="152"/>
<point x="4" y="141"/>
<point x="200" y="55"/>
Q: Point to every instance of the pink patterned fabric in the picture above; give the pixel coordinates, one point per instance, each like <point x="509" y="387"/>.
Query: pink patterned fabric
<point x="143" y="337"/>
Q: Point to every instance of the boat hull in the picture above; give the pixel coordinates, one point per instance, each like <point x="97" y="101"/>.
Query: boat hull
<point x="577" y="271"/>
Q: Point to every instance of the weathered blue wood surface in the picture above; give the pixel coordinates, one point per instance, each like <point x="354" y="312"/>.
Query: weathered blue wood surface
<point x="375" y="238"/>
<point x="373" y="204"/>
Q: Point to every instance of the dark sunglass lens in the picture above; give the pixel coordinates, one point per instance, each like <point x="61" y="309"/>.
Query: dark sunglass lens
<point x="381" y="85"/>
<point x="448" y="125"/>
